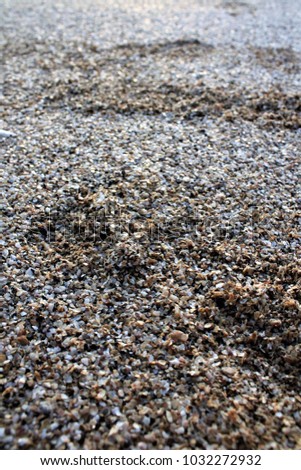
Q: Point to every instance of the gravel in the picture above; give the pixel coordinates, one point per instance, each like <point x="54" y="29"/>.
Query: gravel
<point x="151" y="243"/>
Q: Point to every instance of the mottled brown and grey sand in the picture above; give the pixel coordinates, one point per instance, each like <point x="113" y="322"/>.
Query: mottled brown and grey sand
<point x="151" y="243"/>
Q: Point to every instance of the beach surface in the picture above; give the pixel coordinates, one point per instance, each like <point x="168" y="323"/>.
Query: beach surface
<point x="151" y="242"/>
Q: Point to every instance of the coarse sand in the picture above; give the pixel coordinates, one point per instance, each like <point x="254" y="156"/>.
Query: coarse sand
<point x="151" y="240"/>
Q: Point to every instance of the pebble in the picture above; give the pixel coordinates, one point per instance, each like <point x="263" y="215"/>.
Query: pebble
<point x="5" y="134"/>
<point x="178" y="336"/>
<point x="29" y="273"/>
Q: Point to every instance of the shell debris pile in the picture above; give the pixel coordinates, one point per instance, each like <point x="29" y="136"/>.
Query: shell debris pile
<point x="151" y="243"/>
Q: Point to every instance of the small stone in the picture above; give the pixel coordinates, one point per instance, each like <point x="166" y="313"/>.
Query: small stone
<point x="46" y="407"/>
<point x="2" y="358"/>
<point x="23" y="340"/>
<point x="24" y="442"/>
<point x="29" y="273"/>
<point x="178" y="336"/>
<point x="4" y="134"/>
<point x="290" y="303"/>
<point x="3" y="281"/>
<point x="230" y="371"/>
<point x="101" y="395"/>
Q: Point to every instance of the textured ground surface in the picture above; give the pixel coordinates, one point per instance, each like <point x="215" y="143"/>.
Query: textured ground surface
<point x="151" y="238"/>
